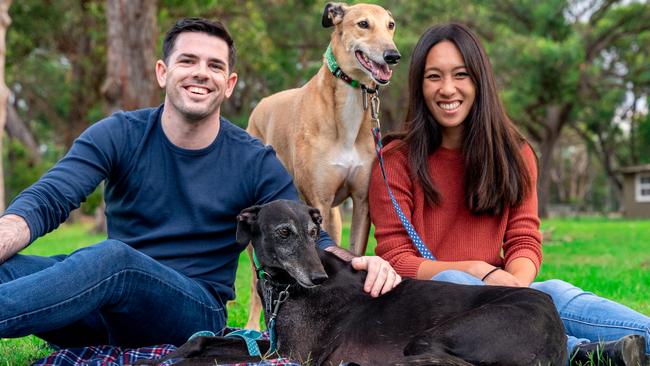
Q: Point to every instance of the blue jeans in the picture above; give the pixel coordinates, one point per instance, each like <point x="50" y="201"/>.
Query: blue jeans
<point x="586" y="317"/>
<point x="108" y="293"/>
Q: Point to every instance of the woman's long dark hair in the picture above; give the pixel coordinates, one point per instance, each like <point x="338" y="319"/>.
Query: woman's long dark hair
<point x="495" y="172"/>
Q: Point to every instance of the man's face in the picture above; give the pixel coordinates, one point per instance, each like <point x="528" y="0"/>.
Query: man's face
<point x="196" y="78"/>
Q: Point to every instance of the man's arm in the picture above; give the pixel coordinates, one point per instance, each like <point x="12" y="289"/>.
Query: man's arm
<point x="14" y="236"/>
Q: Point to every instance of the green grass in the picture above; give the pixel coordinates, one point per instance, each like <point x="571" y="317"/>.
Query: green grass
<point x="608" y="257"/>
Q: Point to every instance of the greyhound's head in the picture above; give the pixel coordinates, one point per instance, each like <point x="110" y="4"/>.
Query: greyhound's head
<point x="284" y="234"/>
<point x="362" y="40"/>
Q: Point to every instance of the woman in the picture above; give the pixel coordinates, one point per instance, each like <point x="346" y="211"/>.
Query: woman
<point x="465" y="177"/>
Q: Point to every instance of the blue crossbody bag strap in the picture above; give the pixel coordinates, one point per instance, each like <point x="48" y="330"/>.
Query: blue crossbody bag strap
<point x="410" y="230"/>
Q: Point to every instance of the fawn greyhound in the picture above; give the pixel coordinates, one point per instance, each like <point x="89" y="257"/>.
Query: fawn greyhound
<point x="325" y="317"/>
<point x="322" y="132"/>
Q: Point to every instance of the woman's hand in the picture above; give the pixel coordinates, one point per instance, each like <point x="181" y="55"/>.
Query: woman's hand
<point x="503" y="278"/>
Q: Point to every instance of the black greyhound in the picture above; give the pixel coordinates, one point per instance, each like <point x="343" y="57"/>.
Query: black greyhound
<point x="328" y="318"/>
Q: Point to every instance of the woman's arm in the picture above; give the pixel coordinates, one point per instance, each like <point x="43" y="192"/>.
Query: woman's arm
<point x="523" y="269"/>
<point x="522" y="243"/>
<point x="430" y="268"/>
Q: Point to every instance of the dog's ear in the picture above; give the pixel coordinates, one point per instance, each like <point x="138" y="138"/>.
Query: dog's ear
<point x="315" y="216"/>
<point x="245" y="221"/>
<point x="333" y="14"/>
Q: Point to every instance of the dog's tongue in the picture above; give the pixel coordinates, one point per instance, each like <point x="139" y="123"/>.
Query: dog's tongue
<point x="381" y="72"/>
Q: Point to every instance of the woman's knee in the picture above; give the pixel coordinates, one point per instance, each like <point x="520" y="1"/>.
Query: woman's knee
<point x="557" y="287"/>
<point x="456" y="276"/>
<point x="560" y="291"/>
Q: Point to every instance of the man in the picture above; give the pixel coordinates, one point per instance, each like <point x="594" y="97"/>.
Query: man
<point x="176" y="177"/>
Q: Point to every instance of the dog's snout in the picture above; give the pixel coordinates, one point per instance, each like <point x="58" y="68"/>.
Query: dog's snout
<point x="318" y="277"/>
<point x="392" y="56"/>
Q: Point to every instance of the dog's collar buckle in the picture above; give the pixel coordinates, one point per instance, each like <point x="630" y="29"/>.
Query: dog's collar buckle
<point x="369" y="90"/>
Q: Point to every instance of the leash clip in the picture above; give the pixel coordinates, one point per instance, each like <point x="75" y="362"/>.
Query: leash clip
<point x="364" y="95"/>
<point x="282" y="297"/>
<point x="374" y="108"/>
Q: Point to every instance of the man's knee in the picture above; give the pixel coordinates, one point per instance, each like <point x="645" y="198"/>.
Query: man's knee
<point x="110" y="252"/>
<point x="458" y="277"/>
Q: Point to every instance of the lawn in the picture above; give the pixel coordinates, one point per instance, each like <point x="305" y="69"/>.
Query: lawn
<point x="608" y="257"/>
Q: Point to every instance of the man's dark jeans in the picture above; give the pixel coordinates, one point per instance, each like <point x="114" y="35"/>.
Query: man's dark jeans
<point x="108" y="293"/>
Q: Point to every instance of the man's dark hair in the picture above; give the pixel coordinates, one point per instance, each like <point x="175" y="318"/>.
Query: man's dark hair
<point x="214" y="28"/>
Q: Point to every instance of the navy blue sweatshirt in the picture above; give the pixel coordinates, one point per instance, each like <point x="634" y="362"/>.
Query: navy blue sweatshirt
<point x="176" y="205"/>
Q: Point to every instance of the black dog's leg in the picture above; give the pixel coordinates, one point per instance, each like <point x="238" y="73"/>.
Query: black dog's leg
<point x="208" y="350"/>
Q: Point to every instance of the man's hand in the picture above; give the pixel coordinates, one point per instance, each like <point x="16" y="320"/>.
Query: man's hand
<point x="381" y="276"/>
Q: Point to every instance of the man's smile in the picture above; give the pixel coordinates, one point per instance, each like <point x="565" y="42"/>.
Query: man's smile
<point x="194" y="89"/>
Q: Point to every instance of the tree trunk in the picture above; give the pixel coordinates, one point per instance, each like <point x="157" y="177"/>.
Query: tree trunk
<point x="5" y="21"/>
<point x="130" y="81"/>
<point x="556" y="118"/>
<point x="18" y="129"/>
<point x="547" y="146"/>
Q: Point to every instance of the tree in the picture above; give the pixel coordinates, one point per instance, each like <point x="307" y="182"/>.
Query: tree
<point x="57" y="65"/>
<point x="5" y="20"/>
<point x="550" y="57"/>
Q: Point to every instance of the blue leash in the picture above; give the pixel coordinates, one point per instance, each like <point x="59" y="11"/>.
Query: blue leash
<point x="376" y="133"/>
<point x="249" y="336"/>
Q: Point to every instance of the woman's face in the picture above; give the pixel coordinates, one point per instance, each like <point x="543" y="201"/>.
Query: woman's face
<point x="448" y="90"/>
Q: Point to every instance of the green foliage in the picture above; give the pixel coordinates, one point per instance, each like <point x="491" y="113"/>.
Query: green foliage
<point x="55" y="64"/>
<point x="22" y="171"/>
<point x="93" y="201"/>
<point x="536" y="72"/>
<point x="644" y="140"/>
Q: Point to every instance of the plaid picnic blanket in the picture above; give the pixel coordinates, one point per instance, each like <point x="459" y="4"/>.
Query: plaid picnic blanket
<point x="118" y="356"/>
<point x="104" y="356"/>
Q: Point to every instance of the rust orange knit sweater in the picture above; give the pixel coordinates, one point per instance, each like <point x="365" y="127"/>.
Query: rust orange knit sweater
<point x="449" y="230"/>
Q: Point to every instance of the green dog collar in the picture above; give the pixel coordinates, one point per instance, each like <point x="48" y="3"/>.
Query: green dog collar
<point x="336" y="70"/>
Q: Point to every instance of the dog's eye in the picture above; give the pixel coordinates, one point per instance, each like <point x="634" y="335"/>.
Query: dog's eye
<point x="313" y="232"/>
<point x="391" y="25"/>
<point x="284" y="232"/>
<point x="363" y="24"/>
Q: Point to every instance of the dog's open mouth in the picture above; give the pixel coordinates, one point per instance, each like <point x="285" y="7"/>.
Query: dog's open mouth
<point x="380" y="72"/>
